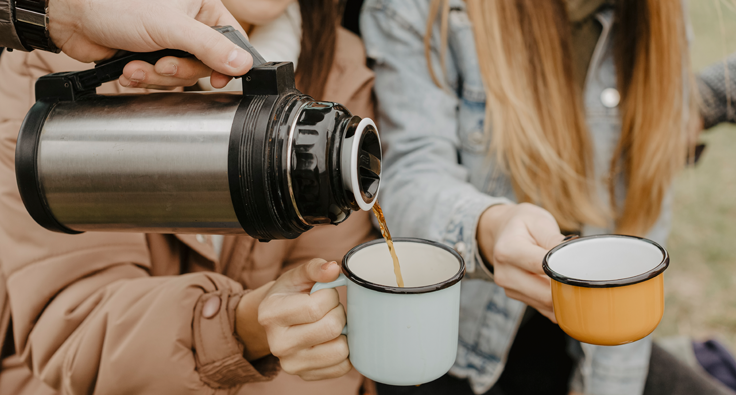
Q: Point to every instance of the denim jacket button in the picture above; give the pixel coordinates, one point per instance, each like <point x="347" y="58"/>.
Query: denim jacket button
<point x="460" y="248"/>
<point x="610" y="97"/>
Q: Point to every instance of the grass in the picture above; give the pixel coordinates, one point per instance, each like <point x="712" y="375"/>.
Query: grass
<point x="700" y="283"/>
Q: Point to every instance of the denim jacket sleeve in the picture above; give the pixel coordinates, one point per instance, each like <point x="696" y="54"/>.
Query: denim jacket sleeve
<point x="425" y="191"/>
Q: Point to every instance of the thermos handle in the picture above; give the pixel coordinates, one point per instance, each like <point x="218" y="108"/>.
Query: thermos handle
<point x="72" y="85"/>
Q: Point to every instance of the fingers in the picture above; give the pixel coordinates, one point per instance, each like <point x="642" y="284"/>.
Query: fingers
<point x="536" y="288"/>
<point x="547" y="312"/>
<point x="183" y="68"/>
<point x="318" y="270"/>
<point x="215" y="13"/>
<point x="521" y="236"/>
<point x="533" y="291"/>
<point x="518" y="248"/>
<point x="302" y="278"/>
<point x="325" y="355"/>
<point x="283" y="309"/>
<point x="324" y="330"/>
<point x="527" y="238"/>
<point x="84" y="50"/>
<point x="209" y="46"/>
<point x="219" y="80"/>
<point x="303" y="330"/>
<point x="168" y="72"/>
<point x="332" y="372"/>
<point x="129" y="84"/>
<point x="544" y="229"/>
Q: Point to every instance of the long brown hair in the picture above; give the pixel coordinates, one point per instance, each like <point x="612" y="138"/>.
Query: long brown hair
<point x="320" y="19"/>
<point x="540" y="137"/>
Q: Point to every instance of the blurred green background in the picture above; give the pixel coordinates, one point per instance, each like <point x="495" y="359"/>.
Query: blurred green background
<point x="700" y="285"/>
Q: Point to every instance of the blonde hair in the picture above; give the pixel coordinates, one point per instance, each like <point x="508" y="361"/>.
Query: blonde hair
<point x="535" y="109"/>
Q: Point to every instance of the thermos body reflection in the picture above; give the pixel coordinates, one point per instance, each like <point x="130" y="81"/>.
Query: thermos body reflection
<point x="163" y="170"/>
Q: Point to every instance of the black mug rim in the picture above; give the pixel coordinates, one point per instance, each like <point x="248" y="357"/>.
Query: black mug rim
<point x="619" y="282"/>
<point x="405" y="290"/>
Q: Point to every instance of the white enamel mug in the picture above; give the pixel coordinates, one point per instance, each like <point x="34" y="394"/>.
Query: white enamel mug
<point x="402" y="336"/>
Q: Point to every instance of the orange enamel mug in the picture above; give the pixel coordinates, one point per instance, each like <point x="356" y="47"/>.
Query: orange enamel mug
<point x="607" y="289"/>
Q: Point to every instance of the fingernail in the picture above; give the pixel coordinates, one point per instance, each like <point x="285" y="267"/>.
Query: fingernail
<point x="138" y="76"/>
<point x="211" y="307"/>
<point x="237" y="58"/>
<point x="169" y="69"/>
<point x="326" y="265"/>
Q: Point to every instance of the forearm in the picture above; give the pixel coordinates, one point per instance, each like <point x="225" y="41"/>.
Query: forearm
<point x="251" y="333"/>
<point x="153" y="331"/>
<point x="717" y="88"/>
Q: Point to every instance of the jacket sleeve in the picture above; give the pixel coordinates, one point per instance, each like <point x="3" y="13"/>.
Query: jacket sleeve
<point x="8" y="36"/>
<point x="717" y="88"/>
<point x="87" y="315"/>
<point x="425" y="191"/>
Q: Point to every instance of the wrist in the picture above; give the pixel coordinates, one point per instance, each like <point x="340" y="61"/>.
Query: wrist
<point x="61" y="27"/>
<point x="491" y="220"/>
<point x="250" y="332"/>
<point x="31" y="21"/>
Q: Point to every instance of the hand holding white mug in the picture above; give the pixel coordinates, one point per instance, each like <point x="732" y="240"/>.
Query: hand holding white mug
<point x="515" y="239"/>
<point x="93" y="30"/>
<point x="303" y="330"/>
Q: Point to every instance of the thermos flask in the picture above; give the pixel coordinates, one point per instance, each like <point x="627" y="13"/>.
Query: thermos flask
<point x="270" y="162"/>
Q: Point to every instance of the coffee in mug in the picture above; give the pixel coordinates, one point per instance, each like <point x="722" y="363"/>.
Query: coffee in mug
<point x="402" y="335"/>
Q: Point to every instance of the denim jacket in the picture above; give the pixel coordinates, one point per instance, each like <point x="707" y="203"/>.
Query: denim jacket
<point x="438" y="178"/>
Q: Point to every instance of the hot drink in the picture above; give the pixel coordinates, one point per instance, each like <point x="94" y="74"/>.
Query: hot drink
<point x="401" y="336"/>
<point x="389" y="242"/>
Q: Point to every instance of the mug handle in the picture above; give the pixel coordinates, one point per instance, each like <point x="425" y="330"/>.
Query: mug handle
<point x="341" y="281"/>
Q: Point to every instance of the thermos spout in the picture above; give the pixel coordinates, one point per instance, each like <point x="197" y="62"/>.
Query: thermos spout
<point x="362" y="162"/>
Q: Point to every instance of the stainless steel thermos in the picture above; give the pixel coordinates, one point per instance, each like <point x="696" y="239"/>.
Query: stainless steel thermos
<point x="270" y="162"/>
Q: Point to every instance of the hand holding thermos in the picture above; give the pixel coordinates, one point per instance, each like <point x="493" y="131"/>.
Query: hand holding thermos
<point x="94" y="30"/>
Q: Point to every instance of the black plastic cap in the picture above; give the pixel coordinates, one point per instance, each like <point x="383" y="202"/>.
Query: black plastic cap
<point x="26" y="168"/>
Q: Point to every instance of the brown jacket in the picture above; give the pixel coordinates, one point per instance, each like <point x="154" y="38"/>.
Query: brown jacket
<point x="120" y="312"/>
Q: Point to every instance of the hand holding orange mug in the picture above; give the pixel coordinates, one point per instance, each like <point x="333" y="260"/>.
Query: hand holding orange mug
<point x="514" y="239"/>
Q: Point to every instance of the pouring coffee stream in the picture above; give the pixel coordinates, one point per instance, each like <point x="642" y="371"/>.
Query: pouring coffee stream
<point x="378" y="212"/>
